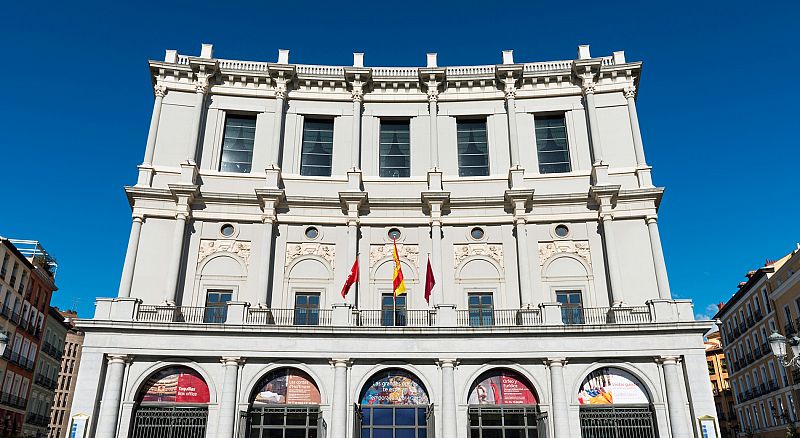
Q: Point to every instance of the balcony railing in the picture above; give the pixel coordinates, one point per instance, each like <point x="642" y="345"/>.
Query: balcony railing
<point x="498" y="318"/>
<point x="45" y="382"/>
<point x="51" y="350"/>
<point x="394" y="318"/>
<point x="12" y="400"/>
<point x="37" y="419"/>
<point x="208" y="315"/>
<point x="288" y="317"/>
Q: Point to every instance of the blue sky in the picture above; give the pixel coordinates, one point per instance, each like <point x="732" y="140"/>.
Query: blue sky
<point x="717" y="105"/>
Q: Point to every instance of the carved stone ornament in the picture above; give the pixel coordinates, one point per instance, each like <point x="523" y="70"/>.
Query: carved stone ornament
<point x="577" y="247"/>
<point x="160" y="90"/>
<point x="325" y="251"/>
<point x="211" y="246"/>
<point x="464" y="251"/>
<point x="630" y="92"/>
<point x="380" y="252"/>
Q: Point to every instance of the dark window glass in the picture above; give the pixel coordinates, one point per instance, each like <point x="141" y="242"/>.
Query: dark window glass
<point x="306" y="309"/>
<point x="552" y="147"/>
<point x="237" y="144"/>
<point x="393" y="310"/>
<point x="473" y="149"/>
<point x="217" y="305"/>
<point x="571" y="306"/>
<point x="481" y="309"/>
<point x="317" y="154"/>
<point x="395" y="149"/>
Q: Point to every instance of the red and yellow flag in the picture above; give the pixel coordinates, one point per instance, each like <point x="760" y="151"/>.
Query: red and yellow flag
<point x="398" y="284"/>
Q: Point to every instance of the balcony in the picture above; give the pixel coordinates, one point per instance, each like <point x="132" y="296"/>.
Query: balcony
<point x="6" y="312"/>
<point x="13" y="401"/>
<point x="45" y="382"/>
<point x="37" y="419"/>
<point x="758" y="316"/>
<point x="51" y="350"/>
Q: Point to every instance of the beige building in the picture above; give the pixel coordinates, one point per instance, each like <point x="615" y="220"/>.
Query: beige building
<point x="784" y="290"/>
<point x="720" y="384"/>
<point x="65" y="386"/>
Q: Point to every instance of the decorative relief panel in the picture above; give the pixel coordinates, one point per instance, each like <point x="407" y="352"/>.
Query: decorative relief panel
<point x="463" y="251"/>
<point x="379" y="252"/>
<point x="325" y="251"/>
<point x="211" y="246"/>
<point x="577" y="247"/>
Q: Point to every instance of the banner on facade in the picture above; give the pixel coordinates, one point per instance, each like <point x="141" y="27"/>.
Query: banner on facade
<point x="605" y="386"/>
<point x="395" y="389"/>
<point x="288" y="386"/>
<point x="175" y="385"/>
<point x="501" y="388"/>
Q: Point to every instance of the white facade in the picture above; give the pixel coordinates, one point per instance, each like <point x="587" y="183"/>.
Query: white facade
<point x="590" y="229"/>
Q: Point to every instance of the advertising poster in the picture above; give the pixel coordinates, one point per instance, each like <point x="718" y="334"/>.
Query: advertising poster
<point x="395" y="389"/>
<point x="175" y="385"/>
<point x="501" y="388"/>
<point x="288" y="387"/>
<point x="606" y="386"/>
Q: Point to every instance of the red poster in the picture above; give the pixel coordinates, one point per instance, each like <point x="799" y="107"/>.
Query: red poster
<point x="176" y="385"/>
<point x="292" y="387"/>
<point x="501" y="388"/>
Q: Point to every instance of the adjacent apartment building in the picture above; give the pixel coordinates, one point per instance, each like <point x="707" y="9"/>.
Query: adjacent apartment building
<point x="720" y="384"/>
<point x="516" y="193"/>
<point x="65" y="385"/>
<point x="46" y="373"/>
<point x="766" y="399"/>
<point x="27" y="281"/>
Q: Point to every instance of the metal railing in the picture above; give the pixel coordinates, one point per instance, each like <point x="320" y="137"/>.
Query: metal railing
<point x="12" y="400"/>
<point x="498" y="317"/>
<point x="207" y="315"/>
<point x="37" y="419"/>
<point x="289" y="317"/>
<point x="394" y="318"/>
<point x="605" y="315"/>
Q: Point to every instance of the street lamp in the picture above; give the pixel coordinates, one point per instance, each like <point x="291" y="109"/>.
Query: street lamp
<point x="778" y="342"/>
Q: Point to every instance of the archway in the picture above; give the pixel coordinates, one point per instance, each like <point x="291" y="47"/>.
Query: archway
<point x="171" y="402"/>
<point x="394" y="404"/>
<point x="503" y="404"/>
<point x="285" y="404"/>
<point x="614" y="404"/>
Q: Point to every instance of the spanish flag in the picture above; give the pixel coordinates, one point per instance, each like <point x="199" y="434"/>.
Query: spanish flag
<point x="398" y="284"/>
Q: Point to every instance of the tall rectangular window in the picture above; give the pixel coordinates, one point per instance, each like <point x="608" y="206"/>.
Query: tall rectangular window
<point x="317" y="153"/>
<point x="473" y="149"/>
<point x="481" y="309"/>
<point x="393" y="310"/>
<point x="571" y="306"/>
<point x="552" y="147"/>
<point x="395" y="149"/>
<point x="306" y="309"/>
<point x="237" y="144"/>
<point x="217" y="305"/>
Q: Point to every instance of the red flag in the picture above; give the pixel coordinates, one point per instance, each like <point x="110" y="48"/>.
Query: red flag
<point x="351" y="278"/>
<point x="430" y="281"/>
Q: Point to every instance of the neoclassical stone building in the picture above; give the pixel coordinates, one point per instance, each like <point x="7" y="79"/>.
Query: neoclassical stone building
<point x="524" y="184"/>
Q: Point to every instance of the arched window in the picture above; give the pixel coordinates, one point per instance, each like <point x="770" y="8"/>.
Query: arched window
<point x="614" y="403"/>
<point x="285" y="404"/>
<point x="394" y="403"/>
<point x="172" y="402"/>
<point x="503" y="404"/>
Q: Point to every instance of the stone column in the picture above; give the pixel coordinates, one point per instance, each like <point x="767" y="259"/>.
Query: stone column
<point x="436" y="259"/>
<point x="676" y="405"/>
<point x="638" y="148"/>
<point x="112" y="394"/>
<point x="339" y="401"/>
<point x="513" y="137"/>
<point x="277" y="126"/>
<point x="265" y="266"/>
<point x="130" y="258"/>
<point x="449" y="415"/>
<point x="615" y="282"/>
<point x="355" y="151"/>
<point x="201" y="88"/>
<point x="174" y="267"/>
<point x="433" y="99"/>
<point x="559" y="398"/>
<point x="227" y="405"/>
<point x="149" y="150"/>
<point x="591" y="112"/>
<point x="524" y="265"/>
<point x="658" y="258"/>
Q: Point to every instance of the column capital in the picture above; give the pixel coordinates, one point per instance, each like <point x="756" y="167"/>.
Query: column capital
<point x="651" y="219"/>
<point x="357" y="93"/>
<point x="588" y="87"/>
<point x="202" y="84"/>
<point x="341" y="362"/>
<point x="137" y="218"/>
<point x="119" y="358"/>
<point x="630" y="91"/>
<point x="229" y="361"/>
<point x="668" y="360"/>
<point x="510" y="92"/>
<point x="555" y="361"/>
<point x="160" y="90"/>
<point x="280" y="90"/>
<point x="433" y="94"/>
<point x="447" y="363"/>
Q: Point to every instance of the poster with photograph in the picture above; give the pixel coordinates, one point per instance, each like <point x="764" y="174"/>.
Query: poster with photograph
<point x="501" y="388"/>
<point x="288" y="387"/>
<point x="175" y="385"/>
<point x="395" y="389"/>
<point x="606" y="386"/>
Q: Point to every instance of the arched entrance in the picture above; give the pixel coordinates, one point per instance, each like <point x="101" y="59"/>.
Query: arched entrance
<point x="615" y="404"/>
<point x="172" y="402"/>
<point x="503" y="404"/>
<point x="284" y="404"/>
<point x="394" y="404"/>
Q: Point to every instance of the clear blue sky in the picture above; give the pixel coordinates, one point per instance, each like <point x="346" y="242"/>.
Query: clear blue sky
<point x="718" y="109"/>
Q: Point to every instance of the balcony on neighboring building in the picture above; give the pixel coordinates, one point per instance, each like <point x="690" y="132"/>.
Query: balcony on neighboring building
<point x="37" y="419"/>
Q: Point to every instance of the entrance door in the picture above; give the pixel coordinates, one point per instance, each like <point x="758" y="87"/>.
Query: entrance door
<point x="617" y="422"/>
<point x="169" y="422"/>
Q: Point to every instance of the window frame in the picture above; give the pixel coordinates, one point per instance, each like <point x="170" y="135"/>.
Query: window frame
<point x="476" y="119"/>
<point x="217" y="311"/>
<point x="239" y="115"/>
<point x="567" y="150"/>
<point x="306" y="314"/>
<point x="388" y="121"/>
<point x="316" y="119"/>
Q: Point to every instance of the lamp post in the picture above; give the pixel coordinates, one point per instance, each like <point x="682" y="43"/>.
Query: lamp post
<point x="778" y="344"/>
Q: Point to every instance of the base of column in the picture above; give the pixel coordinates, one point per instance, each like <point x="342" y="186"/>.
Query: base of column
<point x="273" y="177"/>
<point x="354" y="179"/>
<point x="145" y="176"/>
<point x="644" y="176"/>
<point x="435" y="180"/>
<point x="599" y="174"/>
<point x="516" y="177"/>
<point x="189" y="172"/>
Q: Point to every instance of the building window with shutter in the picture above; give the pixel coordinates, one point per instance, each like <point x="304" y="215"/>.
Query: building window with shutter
<point x="552" y="146"/>
<point x="237" y="144"/>
<point x="317" y="153"/>
<point x="473" y="148"/>
<point x="395" y="149"/>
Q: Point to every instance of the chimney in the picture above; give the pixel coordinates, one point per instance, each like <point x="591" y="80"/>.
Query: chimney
<point x="508" y="56"/>
<point x="358" y="60"/>
<point x="283" y="56"/>
<point x="619" y="57"/>
<point x="432" y="60"/>
<point x="583" y="52"/>
<point x="171" y="56"/>
<point x="207" y="51"/>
